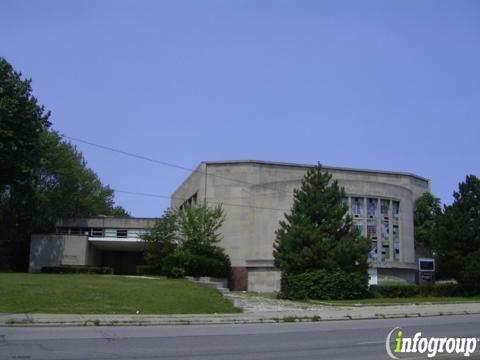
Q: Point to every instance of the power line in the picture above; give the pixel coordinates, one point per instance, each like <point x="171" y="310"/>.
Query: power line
<point x="183" y="199"/>
<point x="165" y="163"/>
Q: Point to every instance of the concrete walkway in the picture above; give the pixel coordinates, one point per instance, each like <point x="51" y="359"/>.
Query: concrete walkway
<point x="316" y="313"/>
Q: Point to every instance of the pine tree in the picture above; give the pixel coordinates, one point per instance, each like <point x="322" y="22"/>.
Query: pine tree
<point x="318" y="234"/>
<point x="426" y="213"/>
<point x="457" y="237"/>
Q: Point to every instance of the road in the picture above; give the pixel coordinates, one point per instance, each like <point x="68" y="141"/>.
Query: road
<point x="356" y="339"/>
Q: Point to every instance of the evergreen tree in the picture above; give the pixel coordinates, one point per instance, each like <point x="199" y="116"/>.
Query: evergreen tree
<point x="318" y="234"/>
<point x="457" y="237"/>
<point x="427" y="210"/>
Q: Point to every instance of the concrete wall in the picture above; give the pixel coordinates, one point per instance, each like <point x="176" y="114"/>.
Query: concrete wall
<point x="57" y="250"/>
<point x="94" y="256"/>
<point x="260" y="193"/>
<point x="405" y="276"/>
<point x="264" y="280"/>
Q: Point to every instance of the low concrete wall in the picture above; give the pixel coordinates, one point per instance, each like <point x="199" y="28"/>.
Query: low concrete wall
<point x="57" y="250"/>
<point x="264" y="280"/>
<point x="407" y="276"/>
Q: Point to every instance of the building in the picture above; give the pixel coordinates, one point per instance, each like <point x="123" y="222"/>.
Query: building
<point x="98" y="241"/>
<point x="256" y="194"/>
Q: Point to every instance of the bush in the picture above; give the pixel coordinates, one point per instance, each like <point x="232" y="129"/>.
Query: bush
<point x="324" y="285"/>
<point x="215" y="264"/>
<point x="411" y="290"/>
<point x="470" y="277"/>
<point x="148" y="270"/>
<point x="204" y="266"/>
<point x="176" y="272"/>
<point x="77" y="270"/>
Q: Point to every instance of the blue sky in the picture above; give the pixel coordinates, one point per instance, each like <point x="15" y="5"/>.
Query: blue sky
<point x="392" y="85"/>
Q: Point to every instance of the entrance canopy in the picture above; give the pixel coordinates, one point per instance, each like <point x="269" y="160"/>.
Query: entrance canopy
<point x="115" y="244"/>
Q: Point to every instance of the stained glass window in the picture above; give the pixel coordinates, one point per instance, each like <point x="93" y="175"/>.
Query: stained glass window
<point x="385" y="229"/>
<point x="357" y="206"/>
<point x="396" y="242"/>
<point x="384" y="207"/>
<point x="372" y="229"/>
<point x="372" y="218"/>
<point x="372" y="207"/>
<point x="395" y="209"/>
<point x="359" y="225"/>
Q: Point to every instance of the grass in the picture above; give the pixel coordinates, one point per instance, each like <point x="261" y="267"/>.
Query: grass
<point x="379" y="301"/>
<point x="106" y="294"/>
<point x="399" y="301"/>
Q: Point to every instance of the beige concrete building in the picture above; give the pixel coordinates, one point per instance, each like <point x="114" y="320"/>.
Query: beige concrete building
<point x="256" y="194"/>
<point x="98" y="241"/>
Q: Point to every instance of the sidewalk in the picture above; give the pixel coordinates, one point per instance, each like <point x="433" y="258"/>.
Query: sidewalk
<point x="314" y="313"/>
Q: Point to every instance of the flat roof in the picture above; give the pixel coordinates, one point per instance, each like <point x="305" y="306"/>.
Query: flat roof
<point x="107" y="221"/>
<point x="337" y="168"/>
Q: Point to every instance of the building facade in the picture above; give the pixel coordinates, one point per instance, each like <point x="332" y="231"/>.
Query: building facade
<point x="98" y="241"/>
<point x="256" y="194"/>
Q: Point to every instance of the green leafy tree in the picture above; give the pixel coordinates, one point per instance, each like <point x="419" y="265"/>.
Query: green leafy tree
<point x="119" y="211"/>
<point x="457" y="236"/>
<point x="427" y="210"/>
<point x="318" y="233"/>
<point x="22" y="121"/>
<point x="66" y="187"/>
<point x="42" y="177"/>
<point x="199" y="228"/>
<point x="199" y="233"/>
<point x="161" y="241"/>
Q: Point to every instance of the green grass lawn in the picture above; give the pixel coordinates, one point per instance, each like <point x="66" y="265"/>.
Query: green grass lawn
<point x="399" y="301"/>
<point x="379" y="301"/>
<point x="106" y="294"/>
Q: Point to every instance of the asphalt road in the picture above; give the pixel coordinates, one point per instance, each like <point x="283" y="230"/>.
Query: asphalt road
<point x="357" y="339"/>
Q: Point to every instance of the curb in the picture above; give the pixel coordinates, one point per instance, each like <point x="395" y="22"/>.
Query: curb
<point x="39" y="320"/>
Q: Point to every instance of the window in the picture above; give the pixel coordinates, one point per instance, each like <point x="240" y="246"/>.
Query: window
<point x="75" y="231"/>
<point x="395" y="209"/>
<point x="191" y="201"/>
<point x="97" y="232"/>
<point x="359" y="225"/>
<point x="372" y="207"/>
<point x="122" y="233"/>
<point x="379" y="220"/>
<point x="372" y="229"/>
<point x="396" y="243"/>
<point x="385" y="232"/>
<point x="373" y="254"/>
<point x="62" y="230"/>
<point x="357" y="206"/>
<point x="384" y="208"/>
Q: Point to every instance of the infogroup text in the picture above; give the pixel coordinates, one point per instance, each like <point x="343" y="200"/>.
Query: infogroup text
<point x="427" y="345"/>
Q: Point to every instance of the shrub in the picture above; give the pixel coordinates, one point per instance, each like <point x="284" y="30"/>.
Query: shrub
<point x="470" y="277"/>
<point x="148" y="270"/>
<point x="197" y="265"/>
<point x="205" y="266"/>
<point x="411" y="290"/>
<point x="76" y="270"/>
<point x="323" y="285"/>
<point x="214" y="263"/>
<point x="176" y="272"/>
<point x="176" y="259"/>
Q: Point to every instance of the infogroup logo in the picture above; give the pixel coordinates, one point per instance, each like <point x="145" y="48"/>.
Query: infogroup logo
<point x="397" y="343"/>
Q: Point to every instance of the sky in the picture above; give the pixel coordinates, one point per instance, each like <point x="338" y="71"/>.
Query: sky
<point x="387" y="85"/>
